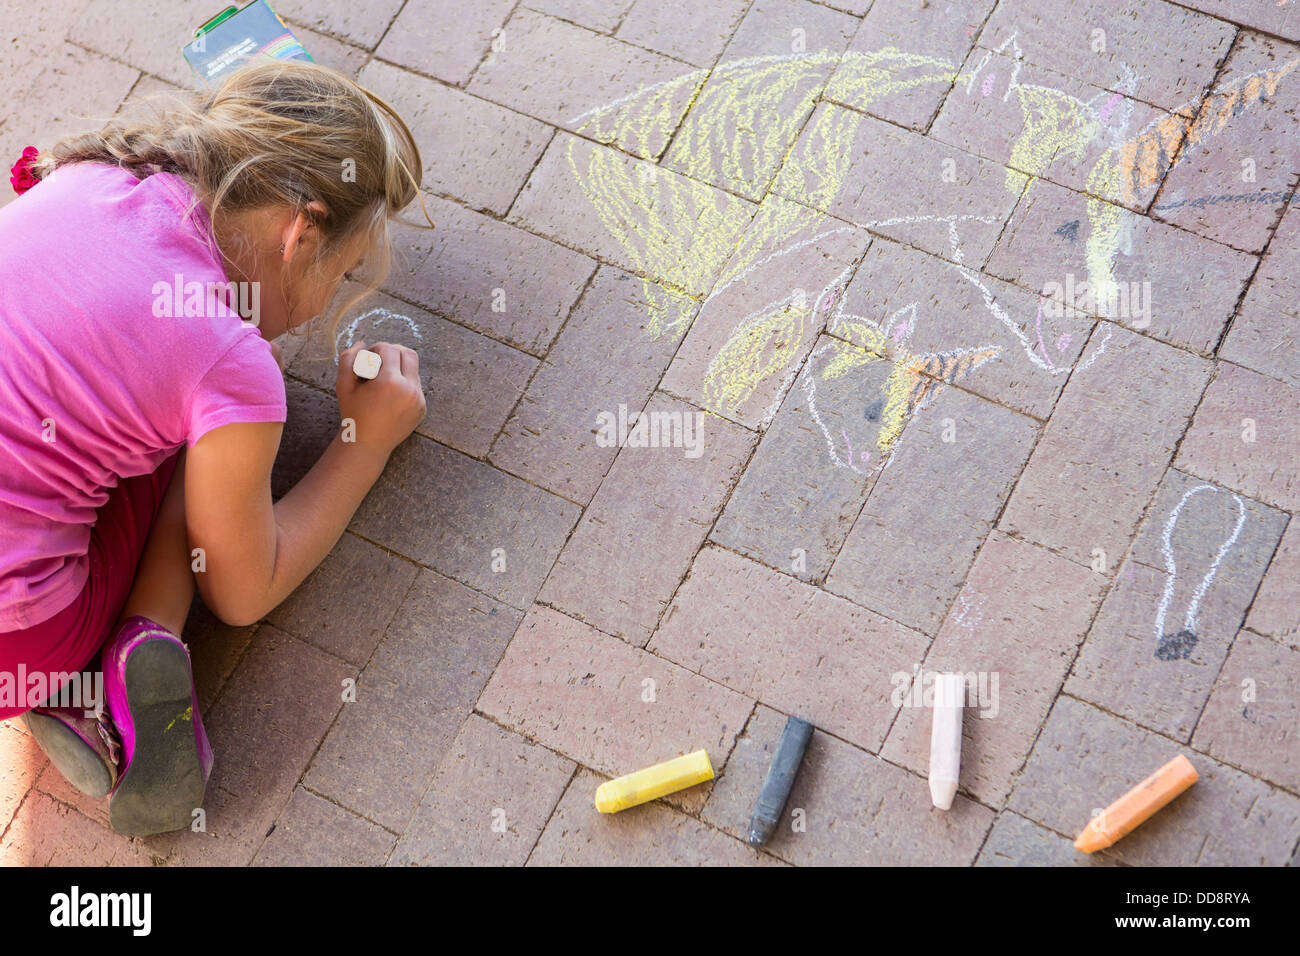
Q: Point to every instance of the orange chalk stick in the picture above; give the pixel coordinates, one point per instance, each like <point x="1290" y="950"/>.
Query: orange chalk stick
<point x="1131" y="810"/>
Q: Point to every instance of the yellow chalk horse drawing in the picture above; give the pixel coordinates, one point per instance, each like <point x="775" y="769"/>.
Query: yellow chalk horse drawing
<point x="735" y="125"/>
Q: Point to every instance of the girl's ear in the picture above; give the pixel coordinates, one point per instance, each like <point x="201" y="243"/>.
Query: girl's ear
<point x="301" y="227"/>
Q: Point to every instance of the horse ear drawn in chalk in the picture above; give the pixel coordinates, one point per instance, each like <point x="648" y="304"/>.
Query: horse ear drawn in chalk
<point x="696" y="246"/>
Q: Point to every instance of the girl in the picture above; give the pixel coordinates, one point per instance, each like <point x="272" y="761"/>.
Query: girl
<point x="140" y="414"/>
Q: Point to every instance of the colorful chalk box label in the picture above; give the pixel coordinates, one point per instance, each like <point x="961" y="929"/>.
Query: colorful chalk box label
<point x="235" y="36"/>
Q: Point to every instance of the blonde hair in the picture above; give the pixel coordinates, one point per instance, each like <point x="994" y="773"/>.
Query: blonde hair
<point x="275" y="132"/>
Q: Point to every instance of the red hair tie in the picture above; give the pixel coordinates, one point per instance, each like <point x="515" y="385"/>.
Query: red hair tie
<point x="21" y="176"/>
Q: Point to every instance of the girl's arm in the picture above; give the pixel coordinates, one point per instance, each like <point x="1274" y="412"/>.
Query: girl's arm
<point x="256" y="552"/>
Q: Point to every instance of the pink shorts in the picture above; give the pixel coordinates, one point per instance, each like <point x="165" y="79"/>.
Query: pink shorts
<point x="68" y="641"/>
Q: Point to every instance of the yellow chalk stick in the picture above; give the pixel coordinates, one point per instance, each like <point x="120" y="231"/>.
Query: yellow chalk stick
<point x="654" y="782"/>
<point x="1130" y="810"/>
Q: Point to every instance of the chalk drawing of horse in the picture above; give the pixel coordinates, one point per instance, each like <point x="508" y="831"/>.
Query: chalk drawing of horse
<point x="682" y="236"/>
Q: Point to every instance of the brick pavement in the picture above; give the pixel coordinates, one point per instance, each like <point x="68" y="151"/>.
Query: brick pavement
<point x="825" y="248"/>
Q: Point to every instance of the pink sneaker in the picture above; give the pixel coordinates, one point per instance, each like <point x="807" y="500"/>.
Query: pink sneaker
<point x="166" y="758"/>
<point x="86" y="750"/>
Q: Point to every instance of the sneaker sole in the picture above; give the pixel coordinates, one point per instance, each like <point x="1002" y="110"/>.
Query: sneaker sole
<point x="163" y="784"/>
<point x="80" y="765"/>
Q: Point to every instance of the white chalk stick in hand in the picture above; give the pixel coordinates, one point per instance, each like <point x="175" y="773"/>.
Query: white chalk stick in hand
<point x="366" y="364"/>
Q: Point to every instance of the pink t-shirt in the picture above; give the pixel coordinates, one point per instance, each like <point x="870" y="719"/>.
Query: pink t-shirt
<point x="103" y="374"/>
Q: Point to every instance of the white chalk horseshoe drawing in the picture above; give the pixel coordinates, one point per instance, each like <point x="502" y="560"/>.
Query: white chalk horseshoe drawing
<point x="1179" y="645"/>
<point x="348" y="333"/>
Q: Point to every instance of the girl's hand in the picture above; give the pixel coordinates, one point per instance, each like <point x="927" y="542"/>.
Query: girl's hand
<point x="385" y="409"/>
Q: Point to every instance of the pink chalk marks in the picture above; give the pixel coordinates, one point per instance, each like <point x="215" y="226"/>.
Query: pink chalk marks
<point x="1062" y="343"/>
<point x="863" y="456"/>
<point x="1109" y="106"/>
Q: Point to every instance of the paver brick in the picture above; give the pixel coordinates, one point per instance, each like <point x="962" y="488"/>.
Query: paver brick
<point x="755" y="101"/>
<point x="26" y="44"/>
<point x="345" y="605"/>
<point x="412" y="699"/>
<point x="47" y="833"/>
<point x="775" y="639"/>
<point x="645" y="219"/>
<point x="1105" y="449"/>
<point x="899" y="184"/>
<point x="1204" y="525"/>
<point x="603" y="359"/>
<point x="444" y="38"/>
<point x="21" y="763"/>
<point x="1015" y="841"/>
<point x="378" y="757"/>
<point x="1013" y="631"/>
<point x="855" y="7"/>
<point x="233" y="827"/>
<point x="54" y="784"/>
<point x="1263" y="15"/>
<point x="769" y="29"/>
<point x="151" y="43"/>
<point x="607" y="705"/>
<point x="1174" y="285"/>
<point x="1253" y="716"/>
<point x="643" y="527"/>
<point x="658" y="25"/>
<point x="926" y="515"/>
<point x="586" y="83"/>
<point x="1157" y="52"/>
<point x="362" y="21"/>
<point x="1119" y="669"/>
<point x="1265" y="335"/>
<point x="1240" y="145"/>
<point x="491" y="531"/>
<point x="1086" y="759"/>
<point x="278" y="704"/>
<point x="905" y="57"/>
<point x="328" y="51"/>
<point x="854" y="809"/>
<point x="1246" y="436"/>
<point x="445" y="640"/>
<point x="506" y="283"/>
<point x="603" y="16"/>
<point x="474" y="382"/>
<point x="648" y="835"/>
<point x="765" y="311"/>
<point x="488" y="801"/>
<point x="474" y="150"/>
<point x="314" y="832"/>
<point x="1276" y="610"/>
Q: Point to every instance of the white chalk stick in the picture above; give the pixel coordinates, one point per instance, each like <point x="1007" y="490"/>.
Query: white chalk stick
<point x="945" y="738"/>
<point x="366" y="364"/>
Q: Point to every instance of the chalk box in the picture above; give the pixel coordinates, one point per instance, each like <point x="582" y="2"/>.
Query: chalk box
<point x="234" y="38"/>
